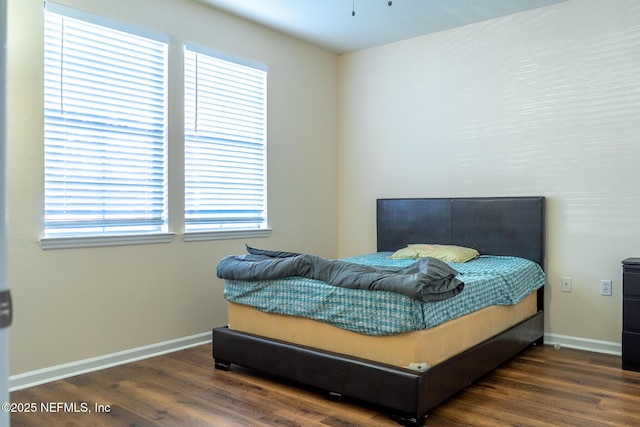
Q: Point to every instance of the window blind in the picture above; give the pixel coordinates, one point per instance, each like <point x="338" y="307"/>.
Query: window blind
<point x="225" y="142"/>
<point x="105" y="110"/>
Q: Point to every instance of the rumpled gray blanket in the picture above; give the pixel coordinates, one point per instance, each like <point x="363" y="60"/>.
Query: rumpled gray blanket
<point x="428" y="279"/>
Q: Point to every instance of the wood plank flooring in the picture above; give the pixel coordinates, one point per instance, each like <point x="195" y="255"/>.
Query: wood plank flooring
<point x="540" y="387"/>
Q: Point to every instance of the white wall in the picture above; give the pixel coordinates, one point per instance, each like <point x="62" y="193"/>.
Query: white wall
<point x="75" y="304"/>
<point x="545" y="102"/>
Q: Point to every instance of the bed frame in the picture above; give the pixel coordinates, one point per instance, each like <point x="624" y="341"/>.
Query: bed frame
<point x="498" y="226"/>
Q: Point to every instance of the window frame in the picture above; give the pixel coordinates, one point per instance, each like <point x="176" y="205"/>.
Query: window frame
<point x="223" y="233"/>
<point x="60" y="240"/>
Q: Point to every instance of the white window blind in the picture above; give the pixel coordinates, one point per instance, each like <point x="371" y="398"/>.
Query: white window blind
<point x="225" y="142"/>
<point x="105" y="133"/>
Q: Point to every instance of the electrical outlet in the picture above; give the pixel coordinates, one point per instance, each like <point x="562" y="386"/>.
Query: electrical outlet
<point x="605" y="287"/>
<point x="565" y="284"/>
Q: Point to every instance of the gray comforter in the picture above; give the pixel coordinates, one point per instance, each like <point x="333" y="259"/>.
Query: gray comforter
<point x="428" y="279"/>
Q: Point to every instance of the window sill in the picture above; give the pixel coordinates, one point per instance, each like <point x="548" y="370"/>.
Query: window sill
<point x="225" y="235"/>
<point x="97" y="241"/>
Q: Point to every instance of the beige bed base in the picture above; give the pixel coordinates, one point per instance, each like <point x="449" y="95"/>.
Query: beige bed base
<point x="414" y="350"/>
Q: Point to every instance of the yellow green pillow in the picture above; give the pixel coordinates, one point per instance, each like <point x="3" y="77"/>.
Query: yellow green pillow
<point x="405" y="253"/>
<point x="446" y="253"/>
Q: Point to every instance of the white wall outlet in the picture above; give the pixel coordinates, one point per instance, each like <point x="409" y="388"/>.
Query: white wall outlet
<point x="565" y="284"/>
<point x="605" y="287"/>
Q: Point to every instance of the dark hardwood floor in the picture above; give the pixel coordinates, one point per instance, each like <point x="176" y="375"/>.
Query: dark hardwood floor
<point x="540" y="387"/>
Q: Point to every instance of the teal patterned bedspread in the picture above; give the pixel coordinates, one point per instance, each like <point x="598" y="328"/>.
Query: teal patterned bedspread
<point x="489" y="280"/>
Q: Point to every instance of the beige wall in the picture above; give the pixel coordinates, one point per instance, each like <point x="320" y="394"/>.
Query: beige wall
<point x="540" y="103"/>
<point x="545" y="102"/>
<point x="73" y="304"/>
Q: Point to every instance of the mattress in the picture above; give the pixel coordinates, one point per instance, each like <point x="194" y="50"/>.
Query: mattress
<point x="417" y="350"/>
<point x="489" y="281"/>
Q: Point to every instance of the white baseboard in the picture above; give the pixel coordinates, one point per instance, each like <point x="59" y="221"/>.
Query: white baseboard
<point x="586" y="344"/>
<point x="41" y="376"/>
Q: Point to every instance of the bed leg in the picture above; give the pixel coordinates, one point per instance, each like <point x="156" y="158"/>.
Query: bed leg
<point x="409" y="420"/>
<point x="223" y="365"/>
<point x="334" y="397"/>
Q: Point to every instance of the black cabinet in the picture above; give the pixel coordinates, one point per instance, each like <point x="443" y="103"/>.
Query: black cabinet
<point x="631" y="314"/>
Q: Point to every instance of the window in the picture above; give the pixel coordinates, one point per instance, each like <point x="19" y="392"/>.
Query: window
<point x="225" y="142"/>
<point x="105" y="132"/>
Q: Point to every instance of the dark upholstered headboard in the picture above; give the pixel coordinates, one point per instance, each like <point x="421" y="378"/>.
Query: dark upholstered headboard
<point x="492" y="225"/>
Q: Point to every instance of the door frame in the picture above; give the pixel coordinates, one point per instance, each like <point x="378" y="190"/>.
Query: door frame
<point x="4" y="286"/>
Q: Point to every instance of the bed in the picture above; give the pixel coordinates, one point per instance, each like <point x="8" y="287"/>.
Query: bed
<point x="408" y="373"/>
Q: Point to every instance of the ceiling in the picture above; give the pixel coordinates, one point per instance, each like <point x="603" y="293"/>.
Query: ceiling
<point x="330" y="24"/>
